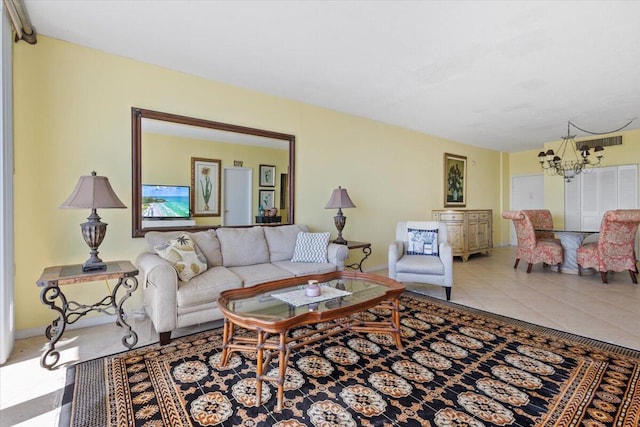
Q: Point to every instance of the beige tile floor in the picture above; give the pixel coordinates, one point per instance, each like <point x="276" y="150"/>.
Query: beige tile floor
<point x="582" y="305"/>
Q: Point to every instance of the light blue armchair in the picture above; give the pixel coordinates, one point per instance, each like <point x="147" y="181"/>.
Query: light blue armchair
<point x="429" y="269"/>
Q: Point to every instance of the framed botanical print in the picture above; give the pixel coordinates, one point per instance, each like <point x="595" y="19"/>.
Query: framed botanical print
<point x="205" y="184"/>
<point x="267" y="198"/>
<point x="267" y="176"/>
<point x="455" y="180"/>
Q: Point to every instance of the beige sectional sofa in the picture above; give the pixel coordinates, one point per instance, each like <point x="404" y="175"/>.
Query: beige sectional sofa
<point x="235" y="258"/>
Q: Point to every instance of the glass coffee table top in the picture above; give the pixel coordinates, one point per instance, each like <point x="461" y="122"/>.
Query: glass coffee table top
<point x="266" y="307"/>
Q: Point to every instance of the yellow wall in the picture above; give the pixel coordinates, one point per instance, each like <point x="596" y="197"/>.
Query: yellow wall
<point x="72" y="115"/>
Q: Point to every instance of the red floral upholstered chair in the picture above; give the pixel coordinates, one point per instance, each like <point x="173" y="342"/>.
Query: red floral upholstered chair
<point x="541" y="218"/>
<point x="531" y="249"/>
<point x="615" y="248"/>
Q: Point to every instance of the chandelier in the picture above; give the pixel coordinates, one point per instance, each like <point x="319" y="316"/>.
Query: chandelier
<point x="568" y="165"/>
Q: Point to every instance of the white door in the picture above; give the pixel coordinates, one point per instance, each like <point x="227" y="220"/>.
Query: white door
<point x="527" y="192"/>
<point x="237" y="196"/>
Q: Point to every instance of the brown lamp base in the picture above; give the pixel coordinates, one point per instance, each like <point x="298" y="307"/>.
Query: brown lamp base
<point x="93" y="232"/>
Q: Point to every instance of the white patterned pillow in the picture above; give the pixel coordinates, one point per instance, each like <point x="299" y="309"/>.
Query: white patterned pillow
<point x="422" y="242"/>
<point x="311" y="247"/>
<point x="184" y="255"/>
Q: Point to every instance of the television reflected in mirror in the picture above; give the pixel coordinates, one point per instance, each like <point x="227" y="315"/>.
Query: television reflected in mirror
<point x="165" y="201"/>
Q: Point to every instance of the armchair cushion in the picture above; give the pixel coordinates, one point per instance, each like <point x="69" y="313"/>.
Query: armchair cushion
<point x="418" y="264"/>
<point x="422" y="242"/>
<point x="311" y="247"/>
<point x="184" y="255"/>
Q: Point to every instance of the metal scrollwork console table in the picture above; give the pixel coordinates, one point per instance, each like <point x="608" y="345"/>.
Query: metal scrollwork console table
<point x="69" y="312"/>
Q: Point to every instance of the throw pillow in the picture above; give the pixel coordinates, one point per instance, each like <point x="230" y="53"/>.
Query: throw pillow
<point x="422" y="242"/>
<point x="184" y="255"/>
<point x="311" y="247"/>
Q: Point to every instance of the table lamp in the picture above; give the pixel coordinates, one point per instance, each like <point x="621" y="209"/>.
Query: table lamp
<point x="340" y="199"/>
<point x="93" y="192"/>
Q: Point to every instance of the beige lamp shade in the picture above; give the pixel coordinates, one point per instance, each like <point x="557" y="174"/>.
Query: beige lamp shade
<point x="92" y="192"/>
<point x="339" y="199"/>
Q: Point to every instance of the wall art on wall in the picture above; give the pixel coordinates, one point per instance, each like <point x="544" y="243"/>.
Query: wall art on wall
<point x="205" y="185"/>
<point x="267" y="176"/>
<point x="267" y="198"/>
<point x="455" y="180"/>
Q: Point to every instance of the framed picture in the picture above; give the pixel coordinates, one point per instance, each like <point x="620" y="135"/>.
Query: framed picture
<point x="455" y="180"/>
<point x="267" y="176"/>
<point x="205" y="185"/>
<point x="267" y="198"/>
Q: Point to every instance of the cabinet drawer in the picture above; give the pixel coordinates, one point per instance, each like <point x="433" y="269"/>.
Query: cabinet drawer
<point x="483" y="216"/>
<point x="451" y="216"/>
<point x="473" y="216"/>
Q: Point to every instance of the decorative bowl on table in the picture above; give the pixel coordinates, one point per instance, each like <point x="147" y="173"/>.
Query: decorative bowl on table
<point x="271" y="212"/>
<point x="312" y="289"/>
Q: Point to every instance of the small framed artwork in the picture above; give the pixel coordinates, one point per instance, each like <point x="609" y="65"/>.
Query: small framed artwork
<point x="267" y="176"/>
<point x="455" y="180"/>
<point x="267" y="198"/>
<point x="205" y="184"/>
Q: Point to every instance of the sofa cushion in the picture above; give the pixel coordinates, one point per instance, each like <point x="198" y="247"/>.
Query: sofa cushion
<point x="311" y="247"/>
<point x="282" y="240"/>
<point x="155" y="238"/>
<point x="243" y="246"/>
<point x="207" y="242"/>
<point x="305" y="268"/>
<point x="209" y="245"/>
<point x="260" y="273"/>
<point x="207" y="287"/>
<point x="184" y="255"/>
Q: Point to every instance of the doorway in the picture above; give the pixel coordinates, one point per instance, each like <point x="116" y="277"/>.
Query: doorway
<point x="237" y="196"/>
<point x="527" y="192"/>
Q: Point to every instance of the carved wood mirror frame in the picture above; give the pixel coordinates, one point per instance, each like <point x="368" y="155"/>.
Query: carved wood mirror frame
<point x="137" y="114"/>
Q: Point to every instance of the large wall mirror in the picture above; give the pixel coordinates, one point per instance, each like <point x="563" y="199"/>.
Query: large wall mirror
<point x="193" y="174"/>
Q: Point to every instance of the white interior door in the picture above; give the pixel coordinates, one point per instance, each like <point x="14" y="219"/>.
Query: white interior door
<point x="527" y="192"/>
<point x="237" y="196"/>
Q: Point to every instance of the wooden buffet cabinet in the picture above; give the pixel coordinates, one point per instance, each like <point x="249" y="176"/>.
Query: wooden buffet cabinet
<point x="468" y="231"/>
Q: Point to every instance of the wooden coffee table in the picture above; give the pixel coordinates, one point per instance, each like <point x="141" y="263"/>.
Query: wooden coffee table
<point x="255" y="308"/>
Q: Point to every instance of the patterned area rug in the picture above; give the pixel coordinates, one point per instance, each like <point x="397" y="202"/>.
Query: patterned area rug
<point x="459" y="367"/>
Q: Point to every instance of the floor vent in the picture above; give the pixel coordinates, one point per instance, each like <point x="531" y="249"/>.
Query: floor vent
<point x="602" y="142"/>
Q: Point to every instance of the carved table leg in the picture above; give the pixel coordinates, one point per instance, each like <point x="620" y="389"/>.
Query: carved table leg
<point x="129" y="284"/>
<point x="54" y="332"/>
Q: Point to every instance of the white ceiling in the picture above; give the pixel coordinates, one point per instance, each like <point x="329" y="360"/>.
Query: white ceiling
<point x="502" y="75"/>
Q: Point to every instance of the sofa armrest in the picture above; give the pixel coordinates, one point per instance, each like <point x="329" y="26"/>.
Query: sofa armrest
<point x="446" y="256"/>
<point x="160" y="290"/>
<point x="396" y="250"/>
<point x="337" y="255"/>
